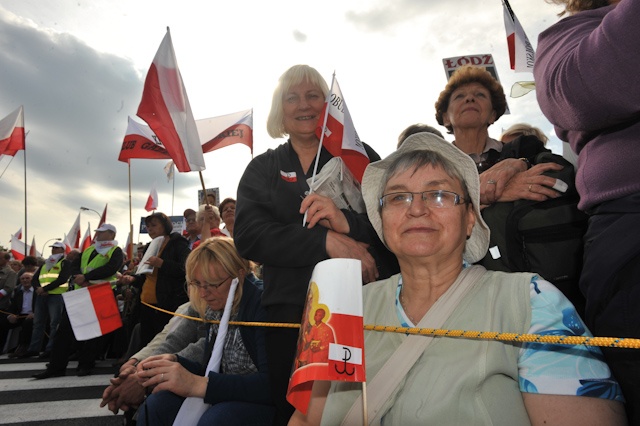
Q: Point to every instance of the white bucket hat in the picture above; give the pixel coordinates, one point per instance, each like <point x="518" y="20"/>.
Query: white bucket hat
<point x="373" y="186"/>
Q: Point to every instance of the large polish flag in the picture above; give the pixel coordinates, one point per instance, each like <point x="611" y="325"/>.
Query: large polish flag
<point x="18" y="234"/>
<point x="152" y="200"/>
<point x="72" y="239"/>
<point x="225" y="130"/>
<point x="331" y="339"/>
<point x="165" y="108"/>
<point x="521" y="53"/>
<point x="340" y="136"/>
<point x="92" y="311"/>
<point x="12" y="133"/>
<point x="141" y="142"/>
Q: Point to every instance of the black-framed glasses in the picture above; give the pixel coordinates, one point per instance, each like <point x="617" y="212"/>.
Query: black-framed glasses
<point x="208" y="286"/>
<point x="434" y="198"/>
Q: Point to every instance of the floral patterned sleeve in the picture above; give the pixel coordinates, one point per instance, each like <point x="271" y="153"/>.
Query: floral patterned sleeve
<point x="559" y="369"/>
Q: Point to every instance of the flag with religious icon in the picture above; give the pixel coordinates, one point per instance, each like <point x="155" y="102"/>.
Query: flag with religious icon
<point x="331" y="339"/>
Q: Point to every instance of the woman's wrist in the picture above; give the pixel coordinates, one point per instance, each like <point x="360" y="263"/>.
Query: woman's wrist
<point x="200" y="388"/>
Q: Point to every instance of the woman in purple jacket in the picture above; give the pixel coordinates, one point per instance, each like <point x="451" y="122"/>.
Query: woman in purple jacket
<point x="587" y="84"/>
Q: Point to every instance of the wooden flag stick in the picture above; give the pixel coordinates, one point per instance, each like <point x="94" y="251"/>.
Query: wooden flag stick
<point x="365" y="418"/>
<point x="204" y="189"/>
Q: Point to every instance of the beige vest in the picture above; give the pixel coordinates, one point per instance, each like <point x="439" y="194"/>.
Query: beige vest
<point x="456" y="381"/>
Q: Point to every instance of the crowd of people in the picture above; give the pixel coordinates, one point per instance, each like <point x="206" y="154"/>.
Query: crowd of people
<point x="432" y="213"/>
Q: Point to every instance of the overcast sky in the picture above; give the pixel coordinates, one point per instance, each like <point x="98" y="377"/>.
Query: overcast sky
<point x="78" y="68"/>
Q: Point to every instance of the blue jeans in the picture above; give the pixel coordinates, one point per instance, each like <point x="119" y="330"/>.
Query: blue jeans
<point x="162" y="408"/>
<point x="51" y="304"/>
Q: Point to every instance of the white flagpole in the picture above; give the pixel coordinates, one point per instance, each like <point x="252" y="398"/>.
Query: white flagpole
<point x="365" y="416"/>
<point x="324" y="128"/>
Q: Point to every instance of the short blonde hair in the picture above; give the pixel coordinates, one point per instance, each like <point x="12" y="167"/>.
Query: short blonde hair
<point x="293" y="76"/>
<point x="524" y="129"/>
<point x="218" y="252"/>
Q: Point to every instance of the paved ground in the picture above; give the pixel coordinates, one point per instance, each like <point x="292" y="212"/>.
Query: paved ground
<point x="68" y="401"/>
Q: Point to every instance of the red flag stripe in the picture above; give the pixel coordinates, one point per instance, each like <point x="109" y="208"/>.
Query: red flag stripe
<point x="106" y="308"/>
<point x="239" y="133"/>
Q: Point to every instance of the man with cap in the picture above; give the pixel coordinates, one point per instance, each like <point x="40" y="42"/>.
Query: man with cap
<point x="98" y="264"/>
<point x="49" y="282"/>
<point x="192" y="228"/>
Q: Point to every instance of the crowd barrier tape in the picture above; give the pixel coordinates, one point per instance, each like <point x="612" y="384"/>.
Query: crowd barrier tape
<point x="608" y="342"/>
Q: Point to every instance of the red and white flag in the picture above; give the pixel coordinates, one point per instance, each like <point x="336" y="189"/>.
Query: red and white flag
<point x="165" y="108"/>
<point x="18" y="234"/>
<point x="92" y="311"/>
<point x="32" y="250"/>
<point x="521" y="53"/>
<point x="225" y="130"/>
<point x="72" y="239"/>
<point x="87" y="240"/>
<point x="103" y="218"/>
<point x="152" y="200"/>
<point x="12" y="133"/>
<point x="340" y="136"/>
<point x="141" y="142"/>
<point x="18" y="249"/>
<point x="331" y="339"/>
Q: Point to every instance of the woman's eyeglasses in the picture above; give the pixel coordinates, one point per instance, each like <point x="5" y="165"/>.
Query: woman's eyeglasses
<point x="208" y="286"/>
<point x="434" y="198"/>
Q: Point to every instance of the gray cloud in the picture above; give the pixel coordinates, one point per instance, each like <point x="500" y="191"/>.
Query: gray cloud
<point x="76" y="101"/>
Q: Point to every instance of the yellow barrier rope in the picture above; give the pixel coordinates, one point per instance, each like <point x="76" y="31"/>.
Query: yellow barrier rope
<point x="610" y="342"/>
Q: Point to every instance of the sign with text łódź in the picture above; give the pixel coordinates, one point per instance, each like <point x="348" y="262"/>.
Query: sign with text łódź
<point x="482" y="60"/>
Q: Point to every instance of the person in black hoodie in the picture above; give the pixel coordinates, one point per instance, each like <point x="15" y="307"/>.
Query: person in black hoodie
<point x="164" y="287"/>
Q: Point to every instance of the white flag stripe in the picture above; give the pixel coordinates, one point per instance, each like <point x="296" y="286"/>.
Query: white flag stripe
<point x="209" y="128"/>
<point x="82" y="314"/>
<point x="135" y="128"/>
<point x="337" y="353"/>
<point x="10" y="122"/>
<point x="342" y="299"/>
